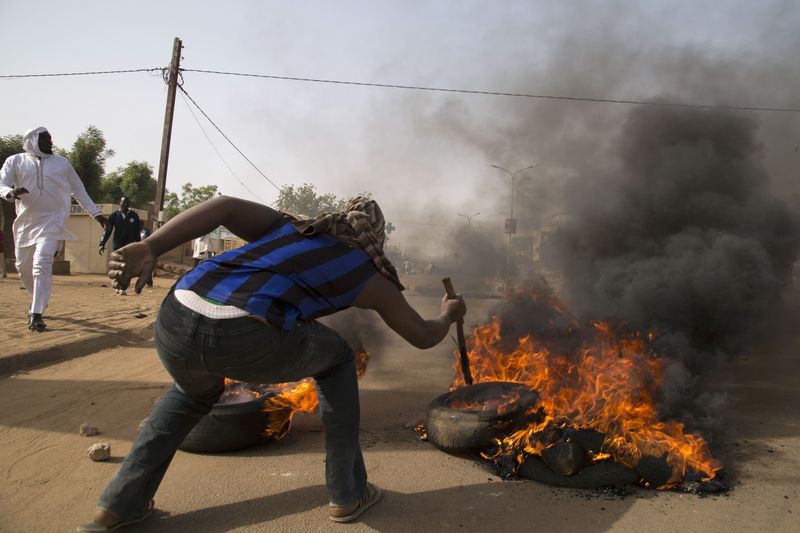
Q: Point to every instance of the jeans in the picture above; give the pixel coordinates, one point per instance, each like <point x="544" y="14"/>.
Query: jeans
<point x="199" y="352"/>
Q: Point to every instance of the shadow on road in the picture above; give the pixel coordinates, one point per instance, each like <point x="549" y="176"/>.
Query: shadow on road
<point x="482" y="507"/>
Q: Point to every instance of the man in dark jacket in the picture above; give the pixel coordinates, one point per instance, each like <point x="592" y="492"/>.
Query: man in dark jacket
<point x="126" y="226"/>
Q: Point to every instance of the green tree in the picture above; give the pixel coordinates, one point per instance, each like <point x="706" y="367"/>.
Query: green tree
<point x="9" y="145"/>
<point x="304" y="200"/>
<point x="88" y="156"/>
<point x="190" y="196"/>
<point x="134" y="181"/>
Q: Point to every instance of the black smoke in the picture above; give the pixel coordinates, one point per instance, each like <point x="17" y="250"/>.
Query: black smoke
<point x="685" y="239"/>
<point x="689" y="239"/>
<point x="477" y="253"/>
<point x="678" y="219"/>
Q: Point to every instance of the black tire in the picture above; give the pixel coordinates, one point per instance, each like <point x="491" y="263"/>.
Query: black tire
<point x="596" y="475"/>
<point x="461" y="430"/>
<point x="234" y="426"/>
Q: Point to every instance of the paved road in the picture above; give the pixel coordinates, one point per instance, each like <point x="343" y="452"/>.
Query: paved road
<point x="50" y="485"/>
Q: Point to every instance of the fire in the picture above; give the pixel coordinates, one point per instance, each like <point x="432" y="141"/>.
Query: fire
<point x="499" y="405"/>
<point x="288" y="400"/>
<point x="293" y="398"/>
<point x="362" y="358"/>
<point x="239" y="392"/>
<point x="606" y="385"/>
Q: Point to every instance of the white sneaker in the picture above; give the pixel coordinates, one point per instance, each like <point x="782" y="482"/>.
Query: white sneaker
<point x="122" y="292"/>
<point x="116" y="291"/>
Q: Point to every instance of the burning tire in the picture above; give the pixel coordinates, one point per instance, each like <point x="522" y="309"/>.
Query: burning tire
<point x="596" y="475"/>
<point x="470" y="418"/>
<point x="235" y="426"/>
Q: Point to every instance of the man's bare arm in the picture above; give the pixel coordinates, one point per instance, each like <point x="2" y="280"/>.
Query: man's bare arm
<point x="383" y="296"/>
<point x="248" y="220"/>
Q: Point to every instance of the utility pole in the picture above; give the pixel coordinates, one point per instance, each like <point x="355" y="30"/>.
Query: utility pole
<point x="172" y="86"/>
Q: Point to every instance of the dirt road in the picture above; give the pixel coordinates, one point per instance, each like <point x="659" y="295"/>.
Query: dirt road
<point x="84" y="316"/>
<point x="50" y="485"/>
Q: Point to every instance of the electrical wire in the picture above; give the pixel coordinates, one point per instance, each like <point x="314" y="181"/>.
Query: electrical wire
<point x="422" y="88"/>
<point x="434" y="225"/>
<point x="254" y="195"/>
<point x="496" y="93"/>
<point x="226" y="137"/>
<point x="91" y="73"/>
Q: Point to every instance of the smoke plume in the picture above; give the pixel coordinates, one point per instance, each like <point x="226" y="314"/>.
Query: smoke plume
<point x="676" y="218"/>
<point x="690" y="240"/>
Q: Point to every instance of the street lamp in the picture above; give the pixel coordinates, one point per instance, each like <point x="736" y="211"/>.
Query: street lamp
<point x="511" y="224"/>
<point x="513" y="179"/>
<point x="469" y="217"/>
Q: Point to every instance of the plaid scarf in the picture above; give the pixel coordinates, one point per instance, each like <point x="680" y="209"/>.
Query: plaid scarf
<point x="361" y="224"/>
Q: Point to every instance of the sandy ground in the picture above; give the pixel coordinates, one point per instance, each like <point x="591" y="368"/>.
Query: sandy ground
<point x="84" y="315"/>
<point x="50" y="485"/>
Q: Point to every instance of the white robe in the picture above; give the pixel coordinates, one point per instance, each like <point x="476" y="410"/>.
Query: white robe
<point x="43" y="212"/>
<point x="200" y="247"/>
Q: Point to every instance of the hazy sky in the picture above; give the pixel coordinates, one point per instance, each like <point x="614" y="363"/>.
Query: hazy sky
<point x="415" y="151"/>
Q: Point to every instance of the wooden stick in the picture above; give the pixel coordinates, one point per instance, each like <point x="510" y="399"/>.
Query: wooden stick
<point x="462" y="344"/>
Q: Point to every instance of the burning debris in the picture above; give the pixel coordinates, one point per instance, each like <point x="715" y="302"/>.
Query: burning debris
<point x="470" y="418"/>
<point x="597" y="421"/>
<point x="284" y="400"/>
<point x="671" y="251"/>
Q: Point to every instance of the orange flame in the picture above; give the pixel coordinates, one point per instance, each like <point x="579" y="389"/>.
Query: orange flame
<point x="498" y="405"/>
<point x="362" y="358"/>
<point x="237" y="391"/>
<point x="289" y="399"/>
<point x="293" y="398"/>
<point x="607" y="387"/>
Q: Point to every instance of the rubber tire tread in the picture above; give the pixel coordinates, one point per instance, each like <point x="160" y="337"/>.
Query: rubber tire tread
<point x="229" y="427"/>
<point x="592" y="476"/>
<point x="462" y="431"/>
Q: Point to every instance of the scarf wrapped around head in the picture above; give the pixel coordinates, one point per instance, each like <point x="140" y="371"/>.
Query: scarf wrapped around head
<point x="361" y="224"/>
<point x="30" y="142"/>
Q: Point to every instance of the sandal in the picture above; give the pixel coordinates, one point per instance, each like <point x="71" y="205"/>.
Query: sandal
<point x="96" y="527"/>
<point x="350" y="511"/>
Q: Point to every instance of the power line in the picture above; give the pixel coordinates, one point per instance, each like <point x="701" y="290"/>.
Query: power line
<point x="91" y="73"/>
<point x="497" y="93"/>
<point x="435" y="225"/>
<point x="422" y="88"/>
<point x="215" y="149"/>
<point x="227" y="138"/>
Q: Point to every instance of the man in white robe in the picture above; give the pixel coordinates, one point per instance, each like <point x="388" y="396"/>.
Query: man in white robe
<point x="42" y="184"/>
<point x="201" y="249"/>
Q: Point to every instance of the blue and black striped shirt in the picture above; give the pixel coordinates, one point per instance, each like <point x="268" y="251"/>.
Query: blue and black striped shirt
<point x="284" y="276"/>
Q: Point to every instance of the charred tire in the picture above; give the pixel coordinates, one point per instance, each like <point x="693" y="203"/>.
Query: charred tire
<point x="461" y="430"/>
<point x="234" y="426"/>
<point x="591" y="476"/>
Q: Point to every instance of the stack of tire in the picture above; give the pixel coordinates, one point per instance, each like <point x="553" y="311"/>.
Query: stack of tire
<point x="465" y="430"/>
